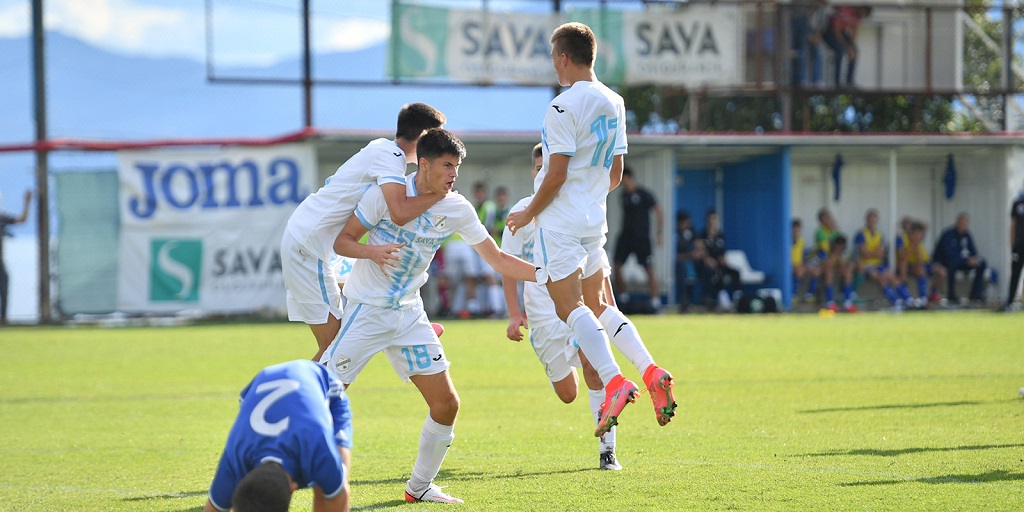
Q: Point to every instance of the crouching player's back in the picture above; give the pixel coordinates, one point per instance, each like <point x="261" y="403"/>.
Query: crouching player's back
<point x="293" y="430"/>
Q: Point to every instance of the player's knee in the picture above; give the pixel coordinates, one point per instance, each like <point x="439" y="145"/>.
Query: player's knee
<point x="566" y="389"/>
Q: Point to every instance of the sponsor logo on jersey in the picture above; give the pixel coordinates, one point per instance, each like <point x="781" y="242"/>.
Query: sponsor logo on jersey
<point x="559" y="110"/>
<point x="174" y="269"/>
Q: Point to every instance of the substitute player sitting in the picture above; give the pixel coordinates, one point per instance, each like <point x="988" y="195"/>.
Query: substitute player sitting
<point x="584" y="138"/>
<point x="871" y="260"/>
<point x="294" y="429"/>
<point x="384" y="310"/>
<point x="307" y="250"/>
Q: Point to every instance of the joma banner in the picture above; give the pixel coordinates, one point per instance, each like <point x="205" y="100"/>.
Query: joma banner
<point x="202" y="229"/>
<point x="692" y="46"/>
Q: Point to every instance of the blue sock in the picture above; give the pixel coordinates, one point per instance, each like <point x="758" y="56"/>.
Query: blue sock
<point x="847" y="292"/>
<point x="812" y="286"/>
<point x="889" y="294"/>
<point x="904" y="292"/>
<point x="922" y="287"/>
<point x="830" y="293"/>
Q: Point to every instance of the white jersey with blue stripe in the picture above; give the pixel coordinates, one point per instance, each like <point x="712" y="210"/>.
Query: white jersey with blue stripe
<point x="422" y="237"/>
<point x="540" y="309"/>
<point x="319" y="218"/>
<point x="295" y="414"/>
<point x="588" y="123"/>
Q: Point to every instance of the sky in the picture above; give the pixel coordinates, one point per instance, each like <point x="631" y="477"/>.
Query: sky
<point x="245" y="32"/>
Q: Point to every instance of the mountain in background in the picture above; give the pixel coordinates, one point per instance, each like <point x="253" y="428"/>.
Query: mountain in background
<point x="95" y="94"/>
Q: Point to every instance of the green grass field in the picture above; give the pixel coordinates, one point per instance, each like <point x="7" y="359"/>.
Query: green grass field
<point x="785" y="412"/>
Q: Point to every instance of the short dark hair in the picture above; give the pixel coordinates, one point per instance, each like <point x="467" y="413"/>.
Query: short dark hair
<point x="626" y="171"/>
<point x="839" y="241"/>
<point x="416" y="118"/>
<point x="682" y="216"/>
<point x="916" y="226"/>
<point x="500" y="191"/>
<point x="264" y="489"/>
<point x="439" y="142"/>
<point x="577" y="41"/>
<point x="538" y="150"/>
<point x="796" y="222"/>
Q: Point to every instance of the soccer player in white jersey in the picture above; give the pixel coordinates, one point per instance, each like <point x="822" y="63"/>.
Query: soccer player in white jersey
<point x="307" y="250"/>
<point x="550" y="338"/>
<point x="384" y="310"/>
<point x="584" y="140"/>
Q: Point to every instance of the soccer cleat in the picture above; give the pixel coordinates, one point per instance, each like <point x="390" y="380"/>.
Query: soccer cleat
<point x="438" y="329"/>
<point x="617" y="394"/>
<point x="433" y="493"/>
<point x="850" y="307"/>
<point x="832" y="307"/>
<point x="659" y="384"/>
<point x="608" y="462"/>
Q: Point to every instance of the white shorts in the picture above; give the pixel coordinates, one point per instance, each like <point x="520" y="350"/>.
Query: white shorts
<point x="555" y="347"/>
<point x="405" y="336"/>
<point x="310" y="283"/>
<point x="558" y="255"/>
<point x="460" y="261"/>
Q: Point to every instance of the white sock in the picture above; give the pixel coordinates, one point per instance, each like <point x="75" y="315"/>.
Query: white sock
<point x="608" y="441"/>
<point x="458" y="298"/>
<point x="435" y="439"/>
<point x="624" y="336"/>
<point x="592" y="341"/>
<point x="497" y="298"/>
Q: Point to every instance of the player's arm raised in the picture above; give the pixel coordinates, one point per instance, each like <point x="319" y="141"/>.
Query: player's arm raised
<point x="506" y="264"/>
<point x="347" y="244"/>
<point x="558" y="171"/>
<point x="404" y="208"/>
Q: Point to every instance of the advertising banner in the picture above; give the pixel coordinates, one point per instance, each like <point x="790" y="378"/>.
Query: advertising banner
<point x="691" y="46"/>
<point x="201" y="229"/>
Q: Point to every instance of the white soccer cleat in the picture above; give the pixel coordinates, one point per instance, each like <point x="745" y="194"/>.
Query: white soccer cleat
<point x="433" y="493"/>
<point x="608" y="462"/>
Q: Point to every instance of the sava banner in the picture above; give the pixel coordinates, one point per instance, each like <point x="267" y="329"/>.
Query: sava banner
<point x="691" y="46"/>
<point x="201" y="229"/>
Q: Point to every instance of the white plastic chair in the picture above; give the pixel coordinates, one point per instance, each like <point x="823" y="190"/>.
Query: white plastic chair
<point x="737" y="259"/>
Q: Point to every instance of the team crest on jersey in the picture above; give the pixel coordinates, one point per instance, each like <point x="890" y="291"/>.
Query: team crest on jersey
<point x="440" y="221"/>
<point x="343" y="363"/>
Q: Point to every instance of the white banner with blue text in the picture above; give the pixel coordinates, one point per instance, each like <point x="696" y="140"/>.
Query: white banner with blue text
<point x="201" y="228"/>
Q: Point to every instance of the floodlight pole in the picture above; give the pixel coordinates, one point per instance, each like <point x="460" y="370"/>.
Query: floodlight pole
<point x="42" y="165"/>
<point x="307" y="67"/>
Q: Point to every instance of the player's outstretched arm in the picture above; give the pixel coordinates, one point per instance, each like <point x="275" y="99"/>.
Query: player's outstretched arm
<point x="403" y="208"/>
<point x="516" y="318"/>
<point x="347" y="244"/>
<point x="506" y="264"/>
<point x="558" y="171"/>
